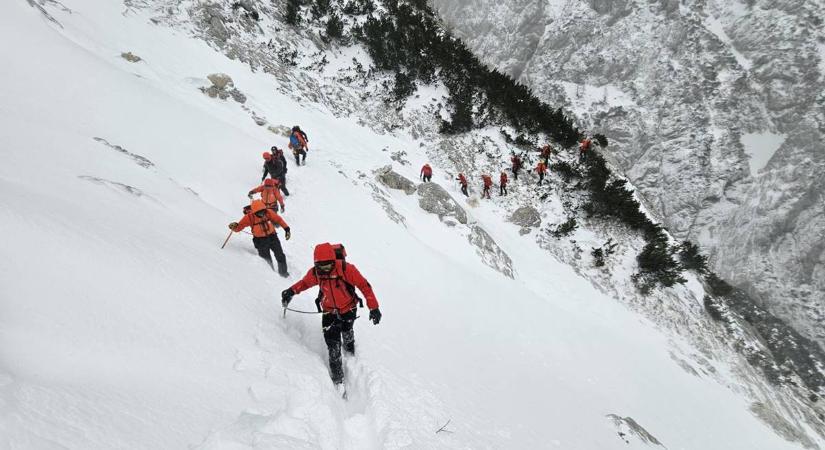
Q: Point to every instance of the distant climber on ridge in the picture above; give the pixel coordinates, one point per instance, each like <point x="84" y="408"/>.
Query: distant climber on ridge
<point x="270" y="194"/>
<point x="546" y="151"/>
<point x="584" y="148"/>
<point x="502" y="186"/>
<point x="337" y="279"/>
<point x="516" y="165"/>
<point x="463" y="181"/>
<point x="298" y="143"/>
<point x="263" y="220"/>
<point x="487" y="184"/>
<point x="426" y="173"/>
<point x="541" y="169"/>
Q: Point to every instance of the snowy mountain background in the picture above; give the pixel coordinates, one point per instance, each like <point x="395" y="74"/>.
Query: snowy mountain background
<point x="123" y="324"/>
<point x="715" y="110"/>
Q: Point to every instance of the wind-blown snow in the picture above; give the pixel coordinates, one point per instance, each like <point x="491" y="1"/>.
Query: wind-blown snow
<point x="761" y="147"/>
<point x="123" y="324"/>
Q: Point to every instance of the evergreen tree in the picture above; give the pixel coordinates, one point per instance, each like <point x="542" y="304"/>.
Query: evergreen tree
<point x="293" y="10"/>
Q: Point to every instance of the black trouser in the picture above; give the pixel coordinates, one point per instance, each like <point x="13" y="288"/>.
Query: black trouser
<point x="298" y="154"/>
<point x="464" y="190"/>
<point x="515" y="172"/>
<point x="486" y="192"/>
<point x="502" y="190"/>
<point x="427" y="178"/>
<point x="337" y="329"/>
<point x="271" y="243"/>
<point x="282" y="182"/>
<point x="541" y="177"/>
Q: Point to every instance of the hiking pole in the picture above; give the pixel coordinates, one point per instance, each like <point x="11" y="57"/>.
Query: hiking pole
<point x="227" y="239"/>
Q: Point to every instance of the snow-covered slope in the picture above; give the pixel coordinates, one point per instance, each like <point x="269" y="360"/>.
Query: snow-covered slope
<point x="124" y="325"/>
<point x="714" y="109"/>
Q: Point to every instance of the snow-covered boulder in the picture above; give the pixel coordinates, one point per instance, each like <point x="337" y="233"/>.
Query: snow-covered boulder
<point x="434" y="199"/>
<point x="526" y="217"/>
<point x="220" y="80"/>
<point x="395" y="180"/>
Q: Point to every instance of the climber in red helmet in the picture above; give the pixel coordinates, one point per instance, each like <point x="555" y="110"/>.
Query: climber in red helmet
<point x="337" y="280"/>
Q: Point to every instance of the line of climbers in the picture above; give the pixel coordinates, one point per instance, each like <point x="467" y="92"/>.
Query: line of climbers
<point x="337" y="298"/>
<point x="517" y="163"/>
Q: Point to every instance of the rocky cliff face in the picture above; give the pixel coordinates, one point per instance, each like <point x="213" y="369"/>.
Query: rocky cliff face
<point x="714" y="109"/>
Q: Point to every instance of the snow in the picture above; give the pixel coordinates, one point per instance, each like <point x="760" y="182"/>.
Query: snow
<point x="715" y="26"/>
<point x="124" y="325"/>
<point x="761" y="147"/>
<point x="584" y="96"/>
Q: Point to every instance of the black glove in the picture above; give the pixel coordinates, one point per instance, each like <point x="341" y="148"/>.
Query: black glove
<point x="286" y="297"/>
<point x="287" y="233"/>
<point x="375" y="316"/>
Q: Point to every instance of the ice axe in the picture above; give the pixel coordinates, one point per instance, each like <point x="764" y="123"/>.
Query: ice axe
<point x="227" y="240"/>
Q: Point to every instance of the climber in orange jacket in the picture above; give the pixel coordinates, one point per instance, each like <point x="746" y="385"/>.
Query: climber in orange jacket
<point x="426" y="173"/>
<point x="463" y="181"/>
<point x="270" y="194"/>
<point x="502" y="186"/>
<point x="337" y="280"/>
<point x="541" y="169"/>
<point x="488" y="183"/>
<point x="263" y="221"/>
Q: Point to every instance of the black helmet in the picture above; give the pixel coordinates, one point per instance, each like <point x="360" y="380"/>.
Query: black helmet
<point x="296" y="128"/>
<point x="273" y="149"/>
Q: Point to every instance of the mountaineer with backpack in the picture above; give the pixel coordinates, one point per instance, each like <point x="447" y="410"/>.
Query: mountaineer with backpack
<point x="298" y="143"/>
<point x="516" y="160"/>
<point x="541" y="169"/>
<point x="270" y="194"/>
<point x="426" y="173"/>
<point x="275" y="167"/>
<point x="502" y="187"/>
<point x="463" y="181"/>
<point x="263" y="222"/>
<point x="337" y="280"/>
<point x="584" y="147"/>
<point x="488" y="183"/>
<point x="546" y="151"/>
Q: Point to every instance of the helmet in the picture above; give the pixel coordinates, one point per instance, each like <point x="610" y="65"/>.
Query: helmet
<point x="273" y="149"/>
<point x="257" y="205"/>
<point x="247" y="209"/>
<point x="324" y="252"/>
<point x="267" y="156"/>
<point x="270" y="182"/>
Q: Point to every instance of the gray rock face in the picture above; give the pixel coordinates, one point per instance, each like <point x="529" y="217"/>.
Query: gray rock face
<point x="434" y="199"/>
<point x="690" y="97"/>
<point x="526" y="216"/>
<point x="490" y="253"/>
<point x="394" y="180"/>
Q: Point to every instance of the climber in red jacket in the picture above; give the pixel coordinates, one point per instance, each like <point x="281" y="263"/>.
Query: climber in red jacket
<point x="488" y="183"/>
<point x="516" y="160"/>
<point x="463" y="181"/>
<point x="502" y="185"/>
<point x="337" y="279"/>
<point x="541" y="169"/>
<point x="426" y="173"/>
<point x="584" y="147"/>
